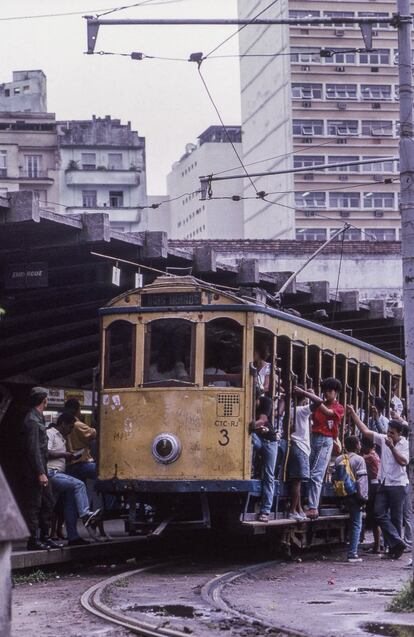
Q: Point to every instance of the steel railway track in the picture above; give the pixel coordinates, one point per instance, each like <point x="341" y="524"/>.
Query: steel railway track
<point x="211" y="593"/>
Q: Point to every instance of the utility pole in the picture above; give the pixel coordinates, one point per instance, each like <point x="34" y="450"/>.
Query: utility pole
<point x="407" y="207"/>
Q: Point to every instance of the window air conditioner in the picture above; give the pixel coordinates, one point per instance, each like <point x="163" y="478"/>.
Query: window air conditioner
<point x="342" y="140"/>
<point x="308" y="177"/>
<point x="305" y="67"/>
<point x="343" y="177"/>
<point x="376" y="106"/>
<point x="339" y="34"/>
<point x="378" y="214"/>
<point x="339" y="69"/>
<point x="307" y="140"/>
<point x="344" y="214"/>
<point x="374" y="69"/>
<point x="341" y="106"/>
<point x="306" y="104"/>
<point x="377" y="178"/>
<point x="309" y="213"/>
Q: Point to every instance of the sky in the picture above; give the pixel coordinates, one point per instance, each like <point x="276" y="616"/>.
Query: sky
<point x="164" y="101"/>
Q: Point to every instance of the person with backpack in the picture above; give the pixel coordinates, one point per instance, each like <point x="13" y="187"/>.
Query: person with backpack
<point x="350" y="480"/>
<point x="392" y="479"/>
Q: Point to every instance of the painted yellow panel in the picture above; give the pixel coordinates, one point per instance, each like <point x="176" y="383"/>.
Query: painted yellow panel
<point x="209" y="424"/>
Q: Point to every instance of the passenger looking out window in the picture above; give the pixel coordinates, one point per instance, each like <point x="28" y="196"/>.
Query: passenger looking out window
<point x="169" y="352"/>
<point x="223" y="354"/>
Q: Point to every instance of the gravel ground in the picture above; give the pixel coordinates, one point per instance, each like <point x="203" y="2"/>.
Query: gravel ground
<point x="319" y="596"/>
<point x="52" y="608"/>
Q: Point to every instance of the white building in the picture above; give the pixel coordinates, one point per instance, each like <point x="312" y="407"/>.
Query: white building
<point x="25" y="93"/>
<point x="103" y="170"/>
<point x="304" y="108"/>
<point x="213" y="218"/>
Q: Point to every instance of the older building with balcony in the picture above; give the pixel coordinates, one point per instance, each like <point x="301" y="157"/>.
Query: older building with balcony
<point x="320" y="98"/>
<point x="103" y="169"/>
<point x="29" y="156"/>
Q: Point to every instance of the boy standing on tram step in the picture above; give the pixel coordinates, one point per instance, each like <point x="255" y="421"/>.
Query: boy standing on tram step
<point x="298" y="469"/>
<point x="392" y="479"/>
<point x="327" y="416"/>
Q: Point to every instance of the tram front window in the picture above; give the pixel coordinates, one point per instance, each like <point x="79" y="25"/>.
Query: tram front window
<point x="169" y="358"/>
<point x="223" y="357"/>
<point x="120" y="354"/>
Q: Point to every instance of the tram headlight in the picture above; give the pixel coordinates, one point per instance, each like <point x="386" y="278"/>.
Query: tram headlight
<point x="166" y="448"/>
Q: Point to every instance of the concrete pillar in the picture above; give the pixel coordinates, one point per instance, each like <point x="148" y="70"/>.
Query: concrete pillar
<point x="5" y="589"/>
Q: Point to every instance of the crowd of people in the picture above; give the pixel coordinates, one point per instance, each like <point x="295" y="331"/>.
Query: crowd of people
<point x="58" y="462"/>
<point x="370" y="472"/>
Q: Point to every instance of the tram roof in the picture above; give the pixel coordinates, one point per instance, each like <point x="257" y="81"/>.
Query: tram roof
<point x="240" y="304"/>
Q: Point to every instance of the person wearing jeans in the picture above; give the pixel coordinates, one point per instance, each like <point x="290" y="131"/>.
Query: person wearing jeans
<point x="327" y="416"/>
<point x="354" y="502"/>
<point x="267" y="450"/>
<point x="392" y="479"/>
<point x="321" y="452"/>
<point x="76" y="502"/>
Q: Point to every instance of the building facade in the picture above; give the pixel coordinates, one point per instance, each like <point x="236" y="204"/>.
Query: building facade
<point x="25" y="93"/>
<point x="29" y="156"/>
<point x="318" y="100"/>
<point x="214" y="218"/>
<point x="103" y="169"/>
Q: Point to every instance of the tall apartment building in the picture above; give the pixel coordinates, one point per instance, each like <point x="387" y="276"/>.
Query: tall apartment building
<point x="103" y="170"/>
<point x="305" y="109"/>
<point x="212" y="218"/>
<point x="25" y="93"/>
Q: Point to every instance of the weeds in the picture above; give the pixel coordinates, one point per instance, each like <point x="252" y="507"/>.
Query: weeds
<point x="403" y="602"/>
<point x="35" y="577"/>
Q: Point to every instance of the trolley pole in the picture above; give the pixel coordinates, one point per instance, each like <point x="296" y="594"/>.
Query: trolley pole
<point x="407" y="206"/>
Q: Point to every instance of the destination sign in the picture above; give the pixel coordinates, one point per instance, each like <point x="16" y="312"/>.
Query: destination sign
<point x="171" y="299"/>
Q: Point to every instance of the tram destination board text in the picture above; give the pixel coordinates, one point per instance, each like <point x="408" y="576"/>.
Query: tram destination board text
<point x="171" y="299"/>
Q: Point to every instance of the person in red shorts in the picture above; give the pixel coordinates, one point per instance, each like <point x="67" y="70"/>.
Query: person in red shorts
<point x="327" y="416"/>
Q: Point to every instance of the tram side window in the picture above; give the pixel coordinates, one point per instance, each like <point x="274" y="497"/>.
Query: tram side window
<point x="169" y="352"/>
<point x="223" y="355"/>
<point x="120" y="354"/>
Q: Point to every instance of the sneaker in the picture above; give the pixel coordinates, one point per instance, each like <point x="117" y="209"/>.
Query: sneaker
<point x="263" y="517"/>
<point x="52" y="544"/>
<point x="91" y="517"/>
<point x="36" y="545"/>
<point x="354" y="559"/>
<point x="312" y="514"/>
<point x="398" y="550"/>
<point x="297" y="517"/>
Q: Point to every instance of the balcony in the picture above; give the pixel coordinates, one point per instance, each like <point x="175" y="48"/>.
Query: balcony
<point x="102" y="177"/>
<point x="35" y="175"/>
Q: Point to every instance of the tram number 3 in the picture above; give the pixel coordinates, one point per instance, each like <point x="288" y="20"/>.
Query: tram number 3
<point x="224" y="441"/>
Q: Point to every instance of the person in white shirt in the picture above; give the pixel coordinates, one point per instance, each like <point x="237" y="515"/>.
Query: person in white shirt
<point x="76" y="502"/>
<point x="298" y="468"/>
<point x="392" y="479"/>
<point x="396" y="402"/>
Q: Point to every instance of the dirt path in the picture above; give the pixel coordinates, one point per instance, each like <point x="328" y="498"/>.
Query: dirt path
<point x="324" y="597"/>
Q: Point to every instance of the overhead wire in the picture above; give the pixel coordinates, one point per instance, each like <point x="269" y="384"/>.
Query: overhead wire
<point x="84" y="12"/>
<point x="339" y="275"/>
<point x="224" y="127"/>
<point x="232" y="35"/>
<point x="153" y="3"/>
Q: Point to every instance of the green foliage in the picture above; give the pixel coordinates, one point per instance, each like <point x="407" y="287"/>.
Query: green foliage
<point x="34" y="577"/>
<point x="403" y="602"/>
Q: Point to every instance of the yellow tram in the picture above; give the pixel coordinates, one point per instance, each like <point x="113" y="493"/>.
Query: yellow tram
<point x="178" y="387"/>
